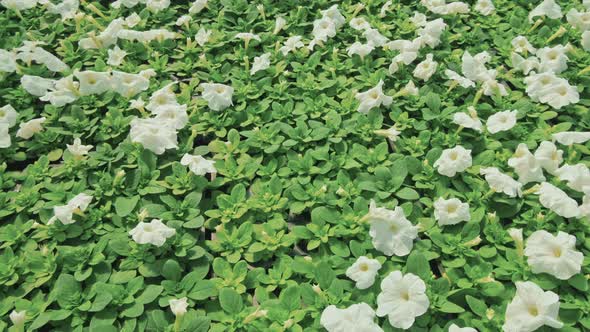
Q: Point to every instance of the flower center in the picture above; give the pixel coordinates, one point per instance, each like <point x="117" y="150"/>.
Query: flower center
<point x="405" y="296"/>
<point x="148" y="228"/>
<point x="451" y="208"/>
<point x="533" y="311"/>
<point x="393" y="228"/>
<point x="374" y="95"/>
<point x="364" y="267"/>
<point x="219" y="89"/>
<point x="557" y="252"/>
<point x="453" y="155"/>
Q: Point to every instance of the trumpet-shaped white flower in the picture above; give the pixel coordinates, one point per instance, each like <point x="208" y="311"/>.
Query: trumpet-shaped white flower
<point x="373" y="98"/>
<point x="334" y="15"/>
<point x="450" y="211"/>
<point x="146" y="36"/>
<point x="525" y="65"/>
<point x="280" y="23"/>
<point x="128" y="85"/>
<point x="553" y="59"/>
<point x="8" y="115"/>
<point x="460" y="80"/>
<point x="455" y="328"/>
<point x="116" y="56"/>
<point x="485" y="7"/>
<point x="579" y="20"/>
<point x="65" y="213"/>
<point x="363" y="272"/>
<point x="174" y="116"/>
<point x="19" y="4"/>
<point x="550" y="89"/>
<point x="202" y="36"/>
<point x="531" y="308"/>
<point x="557" y="201"/>
<point x="218" y="96"/>
<point x="5" y="140"/>
<point x="546" y="8"/>
<point x="198" y="165"/>
<point x="392" y="133"/>
<point x="7" y="61"/>
<point x="521" y="44"/>
<point x="105" y="39"/>
<point x="64" y="91"/>
<point x="154" y="232"/>
<point x="93" y="82"/>
<point x="357" y="317"/>
<point x="132" y="20"/>
<point x="77" y="149"/>
<point x="470" y="120"/>
<point x="442" y="8"/>
<point x="291" y="44"/>
<point x="178" y="306"/>
<point x="525" y="165"/>
<point x="402" y="299"/>
<point x="247" y="36"/>
<point x="500" y="182"/>
<point x="453" y="161"/>
<point x="183" y="20"/>
<point x="408" y="52"/>
<point x="390" y="231"/>
<point x="260" y="63"/>
<point x="18" y="318"/>
<point x="157" y="5"/>
<point x="359" y="23"/>
<point x="197" y="6"/>
<point x="571" y="137"/>
<point x="548" y="156"/>
<point x="501" y="121"/>
<point x="374" y="37"/>
<point x="473" y="67"/>
<point x="360" y="49"/>
<point x="153" y="135"/>
<point x="162" y="98"/>
<point x="28" y="129"/>
<point x="426" y="68"/>
<point x="430" y="33"/>
<point x="323" y="29"/>
<point x="555" y="255"/>
<point x="577" y="176"/>
<point x="36" y="85"/>
<point x="410" y="89"/>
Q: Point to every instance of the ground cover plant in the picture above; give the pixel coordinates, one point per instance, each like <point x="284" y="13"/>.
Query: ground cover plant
<point x="233" y="165"/>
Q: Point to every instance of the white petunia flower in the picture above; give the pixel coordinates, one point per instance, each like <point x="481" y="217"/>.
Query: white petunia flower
<point x="360" y="49"/>
<point x="410" y="89"/>
<point x="260" y="63"/>
<point x="5" y="140"/>
<point x="19" y="4"/>
<point x="66" y="9"/>
<point x="460" y="80"/>
<point x="323" y="29"/>
<point x="426" y="68"/>
<point x="247" y="36"/>
<point x="178" y="306"/>
<point x="419" y="19"/>
<point x="546" y="8"/>
<point x="36" y="85"/>
<point x="373" y="98"/>
<point x="77" y="149"/>
<point x="357" y="317"/>
<point x="197" y="6"/>
<point x="18" y="318"/>
<point x="470" y="120"/>
<point x="521" y="44"/>
<point x="525" y="165"/>
<point x="334" y="15"/>
<point x="132" y="20"/>
<point x="7" y="61"/>
<point x="528" y="65"/>
<point x="202" y="36"/>
<point x="65" y="213"/>
<point x="116" y="56"/>
<point x="218" y="96"/>
<point x="408" y="52"/>
<point x="531" y="308"/>
<point x="106" y="38"/>
<point x="385" y="8"/>
<point x="363" y="271"/>
<point x="280" y="23"/>
<point x="455" y="328"/>
<point x="571" y="137"/>
<point x="8" y="115"/>
<point x="485" y="7"/>
<point x="500" y="182"/>
<point x="392" y="134"/>
<point x="450" y="211"/>
<point x="28" y="129"/>
<point x="555" y="255"/>
<point x="183" y="20"/>
<point x="453" y="161"/>
<point x="154" y="232"/>
<point x="291" y="44"/>
<point x="93" y="82"/>
<point x="198" y="165"/>
<point x="153" y="135"/>
<point x="548" y="156"/>
<point x="557" y="201"/>
<point x="359" y="23"/>
<point x="128" y="85"/>
<point x="501" y="121"/>
<point x="374" y="37"/>
<point x="64" y="91"/>
<point x="430" y="33"/>
<point x="157" y="5"/>
<point x="390" y="231"/>
<point x="402" y="299"/>
<point x="577" y="176"/>
<point x="553" y="59"/>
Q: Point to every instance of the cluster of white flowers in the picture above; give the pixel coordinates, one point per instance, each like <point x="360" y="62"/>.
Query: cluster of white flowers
<point x="28" y="53"/>
<point x="326" y="26"/>
<point x="67" y="9"/>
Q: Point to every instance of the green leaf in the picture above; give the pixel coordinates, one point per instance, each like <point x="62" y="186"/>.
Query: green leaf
<point x="477" y="306"/>
<point x="125" y="205"/>
<point x="67" y="291"/>
<point x="230" y="301"/>
<point x="195" y="324"/>
<point x="408" y="194"/>
<point x="418" y="265"/>
<point x="451" y="308"/>
<point x="291" y="298"/>
<point x="171" y="270"/>
<point x="202" y="290"/>
<point x="150" y="293"/>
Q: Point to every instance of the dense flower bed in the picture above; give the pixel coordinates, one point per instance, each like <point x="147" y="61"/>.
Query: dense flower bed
<point x="233" y="165"/>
